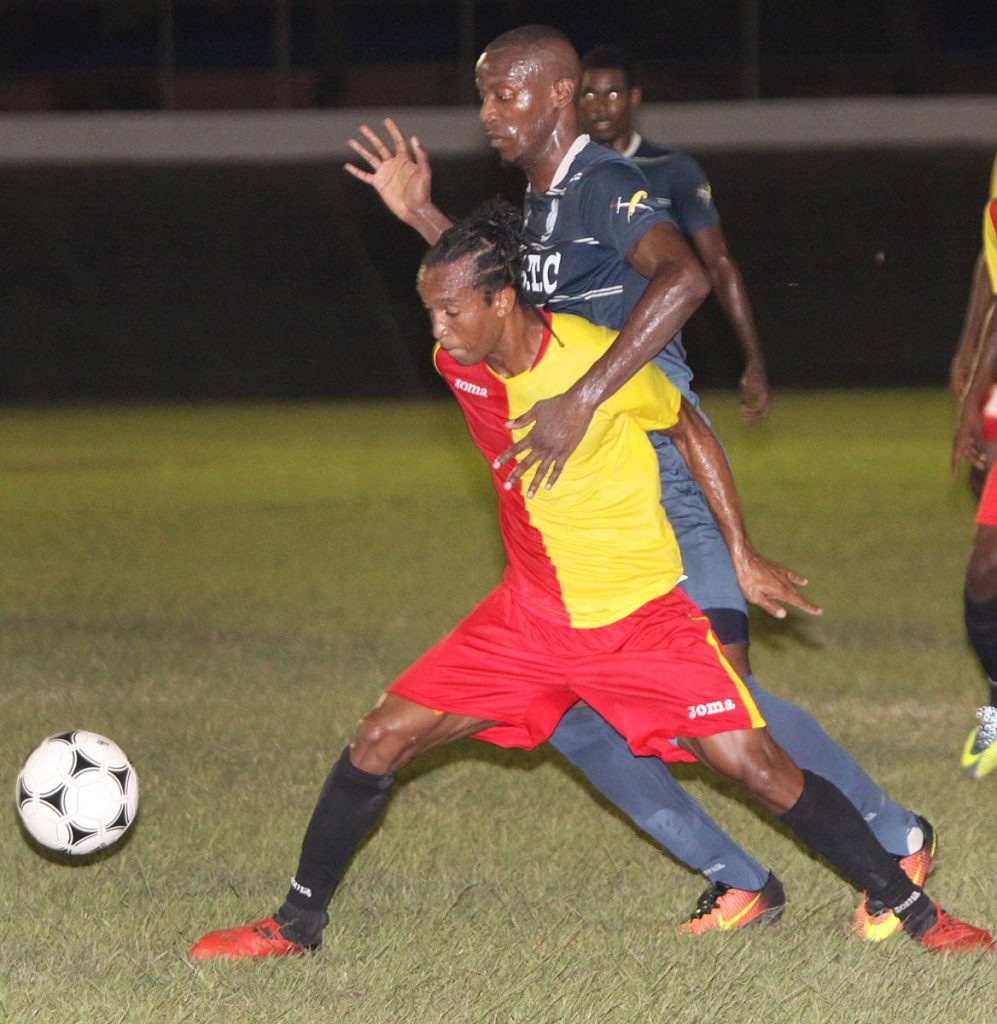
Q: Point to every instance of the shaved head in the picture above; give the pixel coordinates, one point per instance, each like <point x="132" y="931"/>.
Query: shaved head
<point x="528" y="81"/>
<point x="542" y="46"/>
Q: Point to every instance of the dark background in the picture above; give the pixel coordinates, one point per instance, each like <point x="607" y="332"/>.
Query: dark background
<point x="292" y="280"/>
<point x="213" y="54"/>
<point x="173" y="280"/>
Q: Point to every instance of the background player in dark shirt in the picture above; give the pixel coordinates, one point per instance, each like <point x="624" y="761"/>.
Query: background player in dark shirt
<point x="610" y="93"/>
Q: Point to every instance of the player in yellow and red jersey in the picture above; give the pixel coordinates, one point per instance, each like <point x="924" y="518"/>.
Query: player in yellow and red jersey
<point x="587" y="610"/>
<point x="976" y="439"/>
<point x="982" y="290"/>
<point x="622" y="263"/>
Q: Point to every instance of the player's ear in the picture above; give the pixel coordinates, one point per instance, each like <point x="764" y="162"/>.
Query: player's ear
<point x="564" y="91"/>
<point x="504" y="301"/>
<point x="636" y="95"/>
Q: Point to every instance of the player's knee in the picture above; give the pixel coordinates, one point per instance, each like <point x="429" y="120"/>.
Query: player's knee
<point x="766" y="772"/>
<point x="382" y="744"/>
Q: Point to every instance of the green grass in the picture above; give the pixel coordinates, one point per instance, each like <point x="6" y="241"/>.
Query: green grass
<point x="225" y="590"/>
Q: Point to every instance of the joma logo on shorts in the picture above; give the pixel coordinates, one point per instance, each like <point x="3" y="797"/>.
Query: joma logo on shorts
<point x="715" y="707"/>
<point x="471" y="389"/>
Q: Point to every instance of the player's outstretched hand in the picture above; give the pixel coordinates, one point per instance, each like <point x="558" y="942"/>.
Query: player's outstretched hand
<point x="558" y="425"/>
<point x="969" y="442"/>
<point x="402" y="179"/>
<point x="755" y="395"/>
<point x="772" y="586"/>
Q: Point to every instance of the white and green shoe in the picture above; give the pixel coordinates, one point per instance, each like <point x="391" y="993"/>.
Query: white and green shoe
<point x="979" y="756"/>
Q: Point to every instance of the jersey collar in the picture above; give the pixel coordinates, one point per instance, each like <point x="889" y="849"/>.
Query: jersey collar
<point x="563" y="167"/>
<point x="633" y="145"/>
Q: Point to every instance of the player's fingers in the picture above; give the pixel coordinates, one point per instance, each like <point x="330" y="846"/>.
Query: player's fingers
<point x="520" y="422"/>
<point x="793" y="578"/>
<point x="538" y="477"/>
<point x="396" y="136"/>
<point x="375" y="140"/>
<point x="362" y="150"/>
<point x="521" y="467"/>
<point x="365" y="176"/>
<point x="421" y="156"/>
<point x="800" y="602"/>
<point x="512" y="452"/>
<point x="555" y="473"/>
<point x="770" y="606"/>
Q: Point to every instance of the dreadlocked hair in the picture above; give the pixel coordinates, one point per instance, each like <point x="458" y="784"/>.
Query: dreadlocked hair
<point x="492" y="235"/>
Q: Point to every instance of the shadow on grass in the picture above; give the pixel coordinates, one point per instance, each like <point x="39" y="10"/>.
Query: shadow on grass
<point x="778" y="634"/>
<point x="79" y="860"/>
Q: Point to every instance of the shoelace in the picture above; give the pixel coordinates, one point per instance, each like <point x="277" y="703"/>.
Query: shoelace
<point x="709" y="901"/>
<point x="987" y="731"/>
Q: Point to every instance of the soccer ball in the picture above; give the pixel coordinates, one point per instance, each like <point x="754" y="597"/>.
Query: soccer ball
<point x="77" y="792"/>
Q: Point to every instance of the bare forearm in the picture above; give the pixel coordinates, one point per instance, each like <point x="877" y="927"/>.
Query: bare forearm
<point x="429" y="221"/>
<point x="703" y="454"/>
<point x="732" y="295"/>
<point x="668" y="301"/>
<point x="972" y="326"/>
<point x="985" y="370"/>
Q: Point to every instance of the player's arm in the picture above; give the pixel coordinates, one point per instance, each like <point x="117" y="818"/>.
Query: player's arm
<point x="402" y="179"/>
<point x="969" y="442"/>
<point x="676" y="287"/>
<point x="729" y="289"/>
<point x="764" y="583"/>
<point x="980" y="295"/>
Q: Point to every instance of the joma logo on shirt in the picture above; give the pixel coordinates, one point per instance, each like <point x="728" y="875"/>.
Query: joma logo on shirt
<point x="471" y="389"/>
<point x="715" y="707"/>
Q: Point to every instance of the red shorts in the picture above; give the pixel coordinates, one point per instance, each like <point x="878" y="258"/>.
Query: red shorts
<point x="986" y="512"/>
<point x="990" y="414"/>
<point x="655" y="675"/>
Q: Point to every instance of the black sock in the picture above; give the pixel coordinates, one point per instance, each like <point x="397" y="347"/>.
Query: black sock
<point x="348" y="807"/>
<point x="831" y="826"/>
<point x="981" y="627"/>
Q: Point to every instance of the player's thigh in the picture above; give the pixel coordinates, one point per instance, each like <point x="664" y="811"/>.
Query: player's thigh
<point x="397" y="730"/>
<point x="755" y="761"/>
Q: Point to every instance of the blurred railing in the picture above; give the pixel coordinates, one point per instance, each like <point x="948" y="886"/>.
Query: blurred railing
<point x="441" y="83"/>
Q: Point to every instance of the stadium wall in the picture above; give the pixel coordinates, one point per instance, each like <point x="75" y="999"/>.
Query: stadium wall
<point x="198" y="255"/>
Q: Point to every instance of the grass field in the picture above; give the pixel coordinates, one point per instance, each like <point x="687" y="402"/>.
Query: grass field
<point x="224" y="590"/>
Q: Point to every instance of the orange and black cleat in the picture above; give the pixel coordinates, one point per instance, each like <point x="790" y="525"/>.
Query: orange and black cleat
<point x="950" y="935"/>
<point x="724" y="909"/>
<point x="873" y="920"/>
<point x="254" y="941"/>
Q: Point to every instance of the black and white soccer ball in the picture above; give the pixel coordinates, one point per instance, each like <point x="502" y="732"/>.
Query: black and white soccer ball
<point x="77" y="792"/>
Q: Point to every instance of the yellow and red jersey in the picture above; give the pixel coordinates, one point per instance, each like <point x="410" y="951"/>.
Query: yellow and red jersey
<point x="597" y="546"/>
<point x="990" y="231"/>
